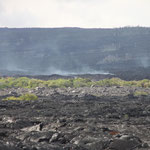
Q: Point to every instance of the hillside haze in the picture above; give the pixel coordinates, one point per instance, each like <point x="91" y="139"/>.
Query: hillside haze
<point x="73" y="50"/>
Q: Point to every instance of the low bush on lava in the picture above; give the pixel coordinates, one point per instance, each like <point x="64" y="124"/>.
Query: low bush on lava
<point x="140" y="93"/>
<point x="26" y="97"/>
<point x="24" y="82"/>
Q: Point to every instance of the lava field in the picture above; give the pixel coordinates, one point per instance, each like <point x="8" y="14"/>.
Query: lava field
<point x="88" y="118"/>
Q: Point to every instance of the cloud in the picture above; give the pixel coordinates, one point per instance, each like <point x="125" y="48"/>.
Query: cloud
<point x="74" y="13"/>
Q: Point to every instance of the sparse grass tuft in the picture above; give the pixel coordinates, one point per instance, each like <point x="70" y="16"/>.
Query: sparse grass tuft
<point x="140" y="93"/>
<point x="26" y="97"/>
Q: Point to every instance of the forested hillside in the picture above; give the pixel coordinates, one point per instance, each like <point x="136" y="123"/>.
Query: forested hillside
<point x="73" y="50"/>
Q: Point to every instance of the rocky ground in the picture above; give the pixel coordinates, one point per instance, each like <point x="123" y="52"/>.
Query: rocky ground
<point x="138" y="73"/>
<point x="90" y="118"/>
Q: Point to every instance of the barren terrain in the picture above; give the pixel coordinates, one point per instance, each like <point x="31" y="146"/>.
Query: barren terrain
<point x="88" y="118"/>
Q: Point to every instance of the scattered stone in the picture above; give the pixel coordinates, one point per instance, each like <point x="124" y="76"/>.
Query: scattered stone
<point x="76" y="119"/>
<point x="54" y="137"/>
<point x="126" y="142"/>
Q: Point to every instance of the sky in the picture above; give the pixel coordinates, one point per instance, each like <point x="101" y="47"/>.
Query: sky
<point x="74" y="13"/>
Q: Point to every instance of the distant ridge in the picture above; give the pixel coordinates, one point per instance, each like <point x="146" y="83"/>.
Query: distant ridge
<point x="77" y="50"/>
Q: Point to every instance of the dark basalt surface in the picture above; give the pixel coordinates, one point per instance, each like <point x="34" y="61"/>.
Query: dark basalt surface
<point x="137" y="73"/>
<point x="95" y="118"/>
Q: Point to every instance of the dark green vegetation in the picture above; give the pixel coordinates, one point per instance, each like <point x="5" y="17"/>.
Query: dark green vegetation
<point x="25" y="82"/>
<point x="77" y="50"/>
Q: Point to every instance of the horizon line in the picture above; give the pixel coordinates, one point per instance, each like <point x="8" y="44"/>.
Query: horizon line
<point x="75" y="27"/>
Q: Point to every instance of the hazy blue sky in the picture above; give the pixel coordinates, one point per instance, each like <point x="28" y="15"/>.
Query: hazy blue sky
<point x="74" y="13"/>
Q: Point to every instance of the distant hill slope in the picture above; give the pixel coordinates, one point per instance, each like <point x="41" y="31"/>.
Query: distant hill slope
<point x="60" y="50"/>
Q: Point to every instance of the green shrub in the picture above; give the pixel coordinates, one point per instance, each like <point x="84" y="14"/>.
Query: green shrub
<point x="27" y="97"/>
<point x="111" y="82"/>
<point x="61" y="83"/>
<point x="81" y="82"/>
<point x="140" y="93"/>
<point x="25" y="82"/>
